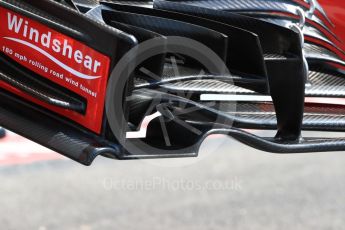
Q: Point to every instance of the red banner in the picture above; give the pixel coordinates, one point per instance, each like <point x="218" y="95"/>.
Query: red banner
<point x="59" y="58"/>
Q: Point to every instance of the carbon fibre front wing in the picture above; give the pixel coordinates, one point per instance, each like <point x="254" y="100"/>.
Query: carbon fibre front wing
<point x="275" y="80"/>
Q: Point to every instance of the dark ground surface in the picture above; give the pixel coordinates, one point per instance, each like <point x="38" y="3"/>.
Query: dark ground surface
<point x="230" y="187"/>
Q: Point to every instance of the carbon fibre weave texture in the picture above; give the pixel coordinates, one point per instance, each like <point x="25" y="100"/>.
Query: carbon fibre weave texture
<point x="320" y="84"/>
<point x="87" y="2"/>
<point x="330" y="119"/>
<point x="317" y="52"/>
<point x="241" y="4"/>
